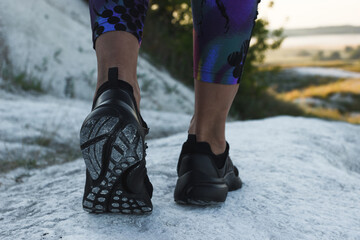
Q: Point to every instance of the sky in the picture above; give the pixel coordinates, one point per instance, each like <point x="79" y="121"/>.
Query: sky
<point x="311" y="13"/>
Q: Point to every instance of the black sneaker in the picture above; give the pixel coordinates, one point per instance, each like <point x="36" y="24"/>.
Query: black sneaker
<point x="202" y="180"/>
<point x="113" y="147"/>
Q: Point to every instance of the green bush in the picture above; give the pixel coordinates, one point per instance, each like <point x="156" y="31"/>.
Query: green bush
<point x="355" y="53"/>
<point x="334" y="56"/>
<point x="22" y="80"/>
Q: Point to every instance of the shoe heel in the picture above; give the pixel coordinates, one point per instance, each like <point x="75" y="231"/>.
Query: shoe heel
<point x="197" y="188"/>
<point x="114" y="155"/>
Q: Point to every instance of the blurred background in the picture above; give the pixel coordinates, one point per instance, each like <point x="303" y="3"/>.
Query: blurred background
<point x="304" y="60"/>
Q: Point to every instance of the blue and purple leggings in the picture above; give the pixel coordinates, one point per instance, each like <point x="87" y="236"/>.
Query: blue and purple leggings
<point x="221" y="33"/>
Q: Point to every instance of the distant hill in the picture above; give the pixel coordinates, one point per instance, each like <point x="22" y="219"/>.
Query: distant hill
<point x="346" y="29"/>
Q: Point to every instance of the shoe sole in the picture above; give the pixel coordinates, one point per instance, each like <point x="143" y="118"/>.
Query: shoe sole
<point x="113" y="153"/>
<point x="196" y="188"/>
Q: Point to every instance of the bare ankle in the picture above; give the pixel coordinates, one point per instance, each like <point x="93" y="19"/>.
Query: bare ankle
<point x="217" y="145"/>
<point x="191" y="129"/>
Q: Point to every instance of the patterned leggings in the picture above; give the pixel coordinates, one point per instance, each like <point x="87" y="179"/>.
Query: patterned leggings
<point x="221" y="33"/>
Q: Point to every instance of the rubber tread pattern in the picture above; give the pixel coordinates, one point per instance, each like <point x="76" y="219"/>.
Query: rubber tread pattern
<point x="108" y="192"/>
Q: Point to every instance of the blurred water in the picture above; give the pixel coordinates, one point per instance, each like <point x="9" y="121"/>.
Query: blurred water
<point x="325" y="72"/>
<point x="322" y="41"/>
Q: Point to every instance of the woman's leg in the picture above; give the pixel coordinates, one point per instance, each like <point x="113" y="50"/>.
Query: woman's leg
<point x="117" y="34"/>
<point x="222" y="32"/>
<point x="112" y="136"/>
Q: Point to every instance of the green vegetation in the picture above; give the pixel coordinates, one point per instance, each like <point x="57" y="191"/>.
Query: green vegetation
<point x="168" y="39"/>
<point x="27" y="82"/>
<point x="45" y="151"/>
<point x="39" y="159"/>
<point x="283" y="81"/>
<point x="42" y="150"/>
<point x="350" y="52"/>
<point x="69" y="89"/>
<point x="22" y="80"/>
<point x="345" y="64"/>
<point x="322" y="97"/>
<point x="304" y="53"/>
<point x="329" y="98"/>
<point x="354" y="53"/>
<point x="341" y="86"/>
<point x="335" y="55"/>
<point x="10" y="164"/>
<point x="320" y="56"/>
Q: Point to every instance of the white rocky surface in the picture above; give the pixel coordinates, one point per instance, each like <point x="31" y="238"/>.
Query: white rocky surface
<point x="40" y="128"/>
<point x="301" y="181"/>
